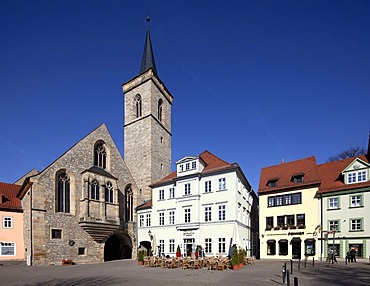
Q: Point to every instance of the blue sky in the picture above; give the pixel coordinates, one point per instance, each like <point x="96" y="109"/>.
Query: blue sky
<point x="254" y="82"/>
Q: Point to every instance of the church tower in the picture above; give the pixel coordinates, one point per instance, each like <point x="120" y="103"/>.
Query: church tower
<point x="147" y="125"/>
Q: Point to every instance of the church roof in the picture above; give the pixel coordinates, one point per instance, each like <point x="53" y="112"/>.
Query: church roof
<point x="147" y="61"/>
<point x="8" y="197"/>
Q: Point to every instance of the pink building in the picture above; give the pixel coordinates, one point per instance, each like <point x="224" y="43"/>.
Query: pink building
<point x="11" y="229"/>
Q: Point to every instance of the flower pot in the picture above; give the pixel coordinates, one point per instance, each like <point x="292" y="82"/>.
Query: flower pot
<point x="178" y="254"/>
<point x="240" y="265"/>
<point x="235" y="267"/>
<point x="140" y="262"/>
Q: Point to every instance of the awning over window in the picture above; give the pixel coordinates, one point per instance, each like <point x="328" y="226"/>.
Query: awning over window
<point x="296" y="239"/>
<point x="283" y="241"/>
<point x="312" y="240"/>
<point x="271" y="241"/>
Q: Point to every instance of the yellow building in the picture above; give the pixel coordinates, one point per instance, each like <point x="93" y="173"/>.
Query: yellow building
<point x="289" y="212"/>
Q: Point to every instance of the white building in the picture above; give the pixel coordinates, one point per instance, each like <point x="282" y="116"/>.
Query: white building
<point x="206" y="202"/>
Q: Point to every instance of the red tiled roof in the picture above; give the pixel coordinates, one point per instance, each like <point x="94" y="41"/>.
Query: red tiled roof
<point x="8" y="197"/>
<point x="212" y="164"/>
<point x="284" y="172"/>
<point x="332" y="178"/>
<point x="145" y="205"/>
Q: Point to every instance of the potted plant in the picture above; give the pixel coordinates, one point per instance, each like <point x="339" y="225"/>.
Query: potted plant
<point x="178" y="251"/>
<point x="241" y="257"/>
<point x="285" y="226"/>
<point x="140" y="257"/>
<point x="277" y="227"/>
<point x="268" y="227"/>
<point x="235" y="259"/>
<point x="301" y="226"/>
<point x="292" y="227"/>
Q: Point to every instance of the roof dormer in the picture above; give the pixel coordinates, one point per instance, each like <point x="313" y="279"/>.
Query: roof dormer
<point x="189" y="165"/>
<point x="356" y="172"/>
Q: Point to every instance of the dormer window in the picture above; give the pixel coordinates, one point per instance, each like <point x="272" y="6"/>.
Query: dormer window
<point x="187" y="166"/>
<point x="357" y="177"/>
<point x="272" y="183"/>
<point x="193" y="165"/>
<point x="296" y="179"/>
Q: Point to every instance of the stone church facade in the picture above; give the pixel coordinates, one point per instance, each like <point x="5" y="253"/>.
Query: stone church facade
<point x="81" y="207"/>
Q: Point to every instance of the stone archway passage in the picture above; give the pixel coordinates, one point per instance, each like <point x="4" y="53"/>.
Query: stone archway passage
<point x="118" y="246"/>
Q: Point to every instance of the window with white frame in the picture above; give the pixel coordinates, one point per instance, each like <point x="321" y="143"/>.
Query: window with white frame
<point x="222" y="245"/>
<point x="161" y="194"/>
<point x="271" y="201"/>
<point x="357" y="177"/>
<point x="172" y="246"/>
<point x="222" y="184"/>
<point x="187" y="215"/>
<point x="187" y="166"/>
<point x="208" y="213"/>
<point x="208" y="248"/>
<point x="279" y="200"/>
<point x="141" y="220"/>
<point x="333" y="203"/>
<point x="193" y="164"/>
<point x="356" y="224"/>
<point x="356" y="201"/>
<point x="207" y="186"/>
<point x="148" y="220"/>
<point x="222" y="212"/>
<point x="187" y="189"/>
<point x="7" y="248"/>
<point x="7" y="222"/>
<point x="171" y="217"/>
<point x="181" y="168"/>
<point x="161" y="246"/>
<point x="239" y="212"/>
<point x="172" y="193"/>
<point x="333" y="225"/>
<point x="161" y="218"/>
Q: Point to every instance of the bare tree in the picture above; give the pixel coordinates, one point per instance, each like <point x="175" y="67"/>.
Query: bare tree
<point x="351" y="152"/>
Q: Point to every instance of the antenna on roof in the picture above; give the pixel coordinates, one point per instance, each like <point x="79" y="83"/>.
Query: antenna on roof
<point x="282" y="161"/>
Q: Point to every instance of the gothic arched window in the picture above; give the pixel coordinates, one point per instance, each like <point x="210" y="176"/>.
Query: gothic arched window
<point x="138" y="105"/>
<point x="129" y="202"/>
<point x="100" y="155"/>
<point x="63" y="192"/>
<point x="94" y="190"/>
<point x="160" y="109"/>
<point x="108" y="192"/>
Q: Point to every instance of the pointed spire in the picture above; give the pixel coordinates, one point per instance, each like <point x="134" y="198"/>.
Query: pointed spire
<point x="147" y="61"/>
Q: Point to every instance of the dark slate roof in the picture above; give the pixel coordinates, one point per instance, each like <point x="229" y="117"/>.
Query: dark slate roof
<point x="99" y="171"/>
<point x="147" y="61"/>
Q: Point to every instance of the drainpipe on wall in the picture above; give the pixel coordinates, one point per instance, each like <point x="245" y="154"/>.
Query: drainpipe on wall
<point x="322" y="226"/>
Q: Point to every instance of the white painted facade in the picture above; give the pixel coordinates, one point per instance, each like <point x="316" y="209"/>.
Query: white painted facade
<point x="199" y="207"/>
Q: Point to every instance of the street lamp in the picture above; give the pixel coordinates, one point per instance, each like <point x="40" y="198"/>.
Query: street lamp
<point x="150" y="235"/>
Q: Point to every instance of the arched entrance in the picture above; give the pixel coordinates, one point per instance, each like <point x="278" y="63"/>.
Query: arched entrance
<point x="146" y="246"/>
<point x="117" y="246"/>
